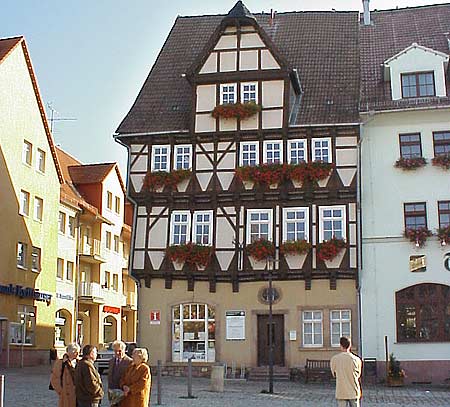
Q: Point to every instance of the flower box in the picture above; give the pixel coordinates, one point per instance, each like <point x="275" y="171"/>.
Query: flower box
<point x="309" y="172"/>
<point x="295" y="247"/>
<point x="261" y="249"/>
<point x="154" y="181"/>
<point x="418" y="236"/>
<point x="329" y="249"/>
<point x="442" y="161"/>
<point x="236" y="110"/>
<point x="410" y="163"/>
<point x="268" y="174"/>
<point x="194" y="255"/>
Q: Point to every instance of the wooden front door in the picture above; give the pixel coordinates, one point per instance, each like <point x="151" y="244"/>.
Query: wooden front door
<point x="277" y="332"/>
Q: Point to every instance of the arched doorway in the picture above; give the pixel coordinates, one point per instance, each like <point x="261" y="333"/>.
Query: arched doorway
<point x="109" y="329"/>
<point x="63" y="328"/>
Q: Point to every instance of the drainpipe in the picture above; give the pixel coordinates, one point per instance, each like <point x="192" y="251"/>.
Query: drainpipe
<point x="359" y="239"/>
<point x="76" y="277"/>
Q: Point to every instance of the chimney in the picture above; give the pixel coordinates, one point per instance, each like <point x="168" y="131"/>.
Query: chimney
<point x="366" y="12"/>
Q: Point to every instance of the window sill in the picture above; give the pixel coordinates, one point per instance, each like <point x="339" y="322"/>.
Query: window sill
<point x="40" y="172"/>
<point x="22" y="267"/>
<point x="29" y="345"/>
<point x="36" y="271"/>
<point x="24" y="215"/>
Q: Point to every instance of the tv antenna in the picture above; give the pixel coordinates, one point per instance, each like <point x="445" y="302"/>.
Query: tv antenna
<point x="53" y="117"/>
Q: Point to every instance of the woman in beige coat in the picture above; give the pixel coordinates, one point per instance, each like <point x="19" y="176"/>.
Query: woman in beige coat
<point x="136" y="382"/>
<point x="62" y="378"/>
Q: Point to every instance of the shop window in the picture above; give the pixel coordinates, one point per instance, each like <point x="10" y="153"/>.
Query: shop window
<point x="109" y="329"/>
<point x="23" y="331"/>
<point x="193" y="333"/>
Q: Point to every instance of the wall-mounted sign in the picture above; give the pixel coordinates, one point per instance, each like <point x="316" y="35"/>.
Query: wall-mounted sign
<point x="25" y="292"/>
<point x="111" y="310"/>
<point x="418" y="263"/>
<point x="292" y="335"/>
<point x="235" y="325"/>
<point x="155" y="317"/>
<point x="64" y="296"/>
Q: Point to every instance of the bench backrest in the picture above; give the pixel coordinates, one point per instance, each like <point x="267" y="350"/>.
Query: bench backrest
<point x="317" y="364"/>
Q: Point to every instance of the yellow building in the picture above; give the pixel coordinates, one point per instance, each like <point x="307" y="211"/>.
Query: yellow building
<point x="29" y="196"/>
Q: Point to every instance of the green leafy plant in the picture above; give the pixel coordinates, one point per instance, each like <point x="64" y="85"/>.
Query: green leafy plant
<point x="194" y="255"/>
<point x="410" y="163"/>
<point x="293" y="247"/>
<point x="329" y="249"/>
<point x="236" y="110"/>
<point x="261" y="249"/>
<point x="418" y="235"/>
<point x="395" y="369"/>
<point x="160" y="179"/>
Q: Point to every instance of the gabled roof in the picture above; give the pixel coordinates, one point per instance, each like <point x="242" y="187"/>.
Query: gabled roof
<point x="391" y="32"/>
<point x="414" y="45"/>
<point x="322" y="46"/>
<point x="7" y="45"/>
<point x="90" y="173"/>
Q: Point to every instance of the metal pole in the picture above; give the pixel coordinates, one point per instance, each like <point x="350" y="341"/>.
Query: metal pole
<point x="386" y="355"/>
<point x="8" y="340"/>
<point x="158" y="388"/>
<point x="270" y="335"/>
<point x="2" y="390"/>
<point x="190" y="378"/>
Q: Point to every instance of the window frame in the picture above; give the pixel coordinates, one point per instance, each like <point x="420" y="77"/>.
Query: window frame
<point x="249" y="223"/>
<point x="23" y="263"/>
<point x="71" y="227"/>
<point x="63" y="223"/>
<point x="441" y="142"/>
<point x="160" y="146"/>
<point x="305" y="149"/>
<point x="243" y="92"/>
<point x="265" y="151"/>
<point x="312" y="321"/>
<point x="36" y="252"/>
<point x="25" y="153"/>
<point x="444" y="211"/>
<point x="116" y="247"/>
<point x="109" y="199"/>
<point x="38" y="216"/>
<point x="340" y="321"/>
<point x="60" y="272"/>
<point x="41" y="155"/>
<point x="176" y="154"/>
<point x="321" y="220"/>
<point x="68" y="263"/>
<point x="172" y="225"/>
<point x="414" y="213"/>
<point x="235" y="95"/>
<point x="241" y="153"/>
<point x="304" y="209"/>
<point x="108" y="240"/>
<point x="27" y="196"/>
<point x="330" y="148"/>
<point x="117" y="205"/>
<point x="410" y="144"/>
<point x="417" y="85"/>
<point x="195" y="223"/>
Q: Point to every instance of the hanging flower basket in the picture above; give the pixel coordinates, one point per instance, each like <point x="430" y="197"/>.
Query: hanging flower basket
<point x="444" y="235"/>
<point x="261" y="249"/>
<point x="309" y="172"/>
<point x="159" y="179"/>
<point x="329" y="249"/>
<point x="410" y="163"/>
<point x="262" y="174"/>
<point x="194" y="255"/>
<point x="442" y="161"/>
<point x="295" y="247"/>
<point x="236" y="110"/>
<point x="418" y="236"/>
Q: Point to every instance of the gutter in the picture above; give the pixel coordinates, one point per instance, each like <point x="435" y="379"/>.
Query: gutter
<point x="117" y="136"/>
<point x="406" y="109"/>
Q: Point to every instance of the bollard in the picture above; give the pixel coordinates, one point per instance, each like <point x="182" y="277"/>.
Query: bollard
<point x="158" y="388"/>
<point x="217" y="378"/>
<point x="190" y="378"/>
<point x="2" y="390"/>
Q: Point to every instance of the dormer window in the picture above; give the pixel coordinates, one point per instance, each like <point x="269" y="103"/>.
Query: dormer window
<point x="418" y="84"/>
<point x="228" y="93"/>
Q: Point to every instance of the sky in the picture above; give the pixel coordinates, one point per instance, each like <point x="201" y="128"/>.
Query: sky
<point x="91" y="57"/>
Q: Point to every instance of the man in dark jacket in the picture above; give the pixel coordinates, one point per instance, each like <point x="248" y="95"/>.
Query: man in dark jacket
<point x="88" y="384"/>
<point x="117" y="365"/>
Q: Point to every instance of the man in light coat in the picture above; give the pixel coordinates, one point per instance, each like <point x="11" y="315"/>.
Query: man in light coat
<point x="62" y="378"/>
<point x="117" y="365"/>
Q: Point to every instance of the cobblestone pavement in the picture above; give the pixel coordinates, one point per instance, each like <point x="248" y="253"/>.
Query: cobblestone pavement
<point x="29" y="388"/>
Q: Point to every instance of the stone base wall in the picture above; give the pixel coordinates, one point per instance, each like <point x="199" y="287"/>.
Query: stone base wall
<point x="31" y="357"/>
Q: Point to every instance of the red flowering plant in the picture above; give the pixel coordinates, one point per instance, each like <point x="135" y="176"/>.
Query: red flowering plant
<point x="329" y="249"/>
<point x="293" y="247"/>
<point x="236" y="110"/>
<point x="261" y="249"/>
<point x="262" y="174"/>
<point x="442" y="161"/>
<point x="194" y="255"/>
<point x="312" y="171"/>
<point x="418" y="235"/>
<point x="159" y="179"/>
<point x="410" y="163"/>
<point x="444" y="235"/>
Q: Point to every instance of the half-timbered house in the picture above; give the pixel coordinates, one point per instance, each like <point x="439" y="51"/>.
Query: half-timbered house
<point x="244" y="137"/>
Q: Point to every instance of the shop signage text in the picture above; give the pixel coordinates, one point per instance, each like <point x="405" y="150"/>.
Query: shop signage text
<point x="111" y="310"/>
<point x="25" y="292"/>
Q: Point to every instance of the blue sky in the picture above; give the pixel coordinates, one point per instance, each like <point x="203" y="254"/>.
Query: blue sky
<point x="92" y="57"/>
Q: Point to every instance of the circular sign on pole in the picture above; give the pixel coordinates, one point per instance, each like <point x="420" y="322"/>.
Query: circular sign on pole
<point x="447" y="261"/>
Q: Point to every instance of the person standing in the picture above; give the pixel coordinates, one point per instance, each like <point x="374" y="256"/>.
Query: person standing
<point x="137" y="380"/>
<point x="63" y="376"/>
<point x="117" y="365"/>
<point x="346" y="368"/>
<point x="88" y="384"/>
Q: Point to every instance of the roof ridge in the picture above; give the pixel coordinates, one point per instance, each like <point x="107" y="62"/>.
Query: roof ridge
<point x="410" y="8"/>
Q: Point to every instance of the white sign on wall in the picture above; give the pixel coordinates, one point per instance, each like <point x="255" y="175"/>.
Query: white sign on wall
<point x="235" y="325"/>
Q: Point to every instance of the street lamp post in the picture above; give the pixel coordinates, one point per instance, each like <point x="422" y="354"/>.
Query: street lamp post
<point x="269" y="267"/>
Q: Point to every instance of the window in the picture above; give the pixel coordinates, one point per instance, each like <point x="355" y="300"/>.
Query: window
<point x="24" y="203"/>
<point x="228" y="93"/>
<point x="249" y="154"/>
<point x="71" y="226"/>
<point x="410" y="145"/>
<point x="249" y="92"/>
<point x="107" y="283"/>
<point x="22" y="254"/>
<point x="117" y="204"/>
<point x="297" y="151"/>
<point x="321" y="149"/>
<point x="115" y="284"/>
<point x="27" y="152"/>
<point x="415" y="215"/>
<point x="273" y="152"/>
<point x="203" y="227"/>
<point x="40" y="162"/>
<point x="340" y="325"/>
<point x="109" y="197"/>
<point x="312" y="328"/>
<point x="423" y="314"/>
<point x="180" y="227"/>
<point x="193" y="333"/>
<point x="116" y="243"/>
<point x="332" y="222"/>
<point x="295" y="224"/>
<point x="69" y="271"/>
<point x="441" y="143"/>
<point x="60" y="268"/>
<point x="27" y="320"/>
<point x="160" y="158"/>
<point x="259" y="224"/>
<point x="182" y="157"/>
<point x="38" y="208"/>
<point x="108" y="240"/>
<point x="62" y="222"/>
<point x="35" y="259"/>
<point x="444" y="214"/>
<point x="418" y="84"/>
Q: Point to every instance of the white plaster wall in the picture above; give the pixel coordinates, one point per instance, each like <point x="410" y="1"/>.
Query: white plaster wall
<point x="268" y="61"/>
<point x="206" y="98"/>
<point x="251" y="40"/>
<point x="272" y="93"/>
<point x="210" y="65"/>
<point x="226" y="42"/>
<point x="228" y="61"/>
<point x="248" y="60"/>
<point x="204" y="123"/>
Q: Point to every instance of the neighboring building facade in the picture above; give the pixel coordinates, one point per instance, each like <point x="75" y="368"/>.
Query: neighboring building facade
<point x="406" y="114"/>
<point x="29" y="183"/>
<point x="308" y="94"/>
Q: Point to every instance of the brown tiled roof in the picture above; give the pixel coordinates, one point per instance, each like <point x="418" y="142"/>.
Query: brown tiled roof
<point x="323" y="46"/>
<point x="89" y="173"/>
<point x="391" y="32"/>
<point x="7" y="45"/>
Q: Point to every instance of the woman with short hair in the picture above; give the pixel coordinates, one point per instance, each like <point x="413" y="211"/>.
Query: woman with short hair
<point x="136" y="382"/>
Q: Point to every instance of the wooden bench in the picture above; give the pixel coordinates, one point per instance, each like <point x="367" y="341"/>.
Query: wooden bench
<point x="317" y="370"/>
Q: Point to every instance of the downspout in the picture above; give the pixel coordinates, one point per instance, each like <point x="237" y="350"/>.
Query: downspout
<point x="359" y="239"/>
<point x="77" y="277"/>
